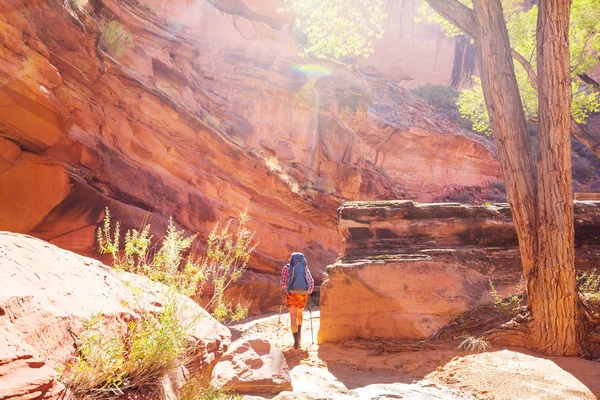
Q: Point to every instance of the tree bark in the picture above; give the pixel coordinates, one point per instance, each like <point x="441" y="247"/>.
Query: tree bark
<point x="578" y="131"/>
<point x="552" y="294"/>
<point x="540" y="195"/>
<point x="508" y="122"/>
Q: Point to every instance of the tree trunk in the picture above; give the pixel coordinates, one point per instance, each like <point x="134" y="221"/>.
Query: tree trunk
<point x="552" y="295"/>
<point x="508" y="122"/>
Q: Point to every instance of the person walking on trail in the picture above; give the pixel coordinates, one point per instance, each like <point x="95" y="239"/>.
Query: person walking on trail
<point x="298" y="284"/>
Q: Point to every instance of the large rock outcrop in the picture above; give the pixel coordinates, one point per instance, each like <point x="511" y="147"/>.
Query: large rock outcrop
<point x="48" y="293"/>
<point x="183" y="123"/>
<point x="413" y="267"/>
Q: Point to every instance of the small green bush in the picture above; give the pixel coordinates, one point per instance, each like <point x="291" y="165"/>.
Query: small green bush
<point x="115" y="39"/>
<point x="512" y="302"/>
<point x="109" y="362"/>
<point x="443" y="99"/>
<point x="589" y="283"/>
<point x="226" y="256"/>
<point x="194" y="390"/>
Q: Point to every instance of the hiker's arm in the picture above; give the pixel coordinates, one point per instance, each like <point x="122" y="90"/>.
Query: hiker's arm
<point x="284" y="276"/>
<point x="310" y="280"/>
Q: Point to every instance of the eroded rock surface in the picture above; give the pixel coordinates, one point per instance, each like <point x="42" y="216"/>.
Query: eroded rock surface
<point x="183" y="123"/>
<point x="47" y="293"/>
<point x="408" y="269"/>
<point x="252" y="365"/>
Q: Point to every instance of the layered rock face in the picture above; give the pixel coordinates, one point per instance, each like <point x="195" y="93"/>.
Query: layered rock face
<point x="183" y="123"/>
<point x="412" y="268"/>
<point x="46" y="296"/>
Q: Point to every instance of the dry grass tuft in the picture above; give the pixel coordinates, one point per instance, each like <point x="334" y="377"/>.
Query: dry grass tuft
<point x="471" y="344"/>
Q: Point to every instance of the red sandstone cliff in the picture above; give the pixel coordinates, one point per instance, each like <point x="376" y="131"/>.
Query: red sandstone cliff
<point x="181" y="125"/>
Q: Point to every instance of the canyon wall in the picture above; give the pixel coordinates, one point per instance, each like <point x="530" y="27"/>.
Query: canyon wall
<point x="415" y="53"/>
<point x="414" y="267"/>
<point x="206" y="115"/>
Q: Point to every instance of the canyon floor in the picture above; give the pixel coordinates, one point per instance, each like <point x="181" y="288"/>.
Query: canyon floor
<point x="331" y="371"/>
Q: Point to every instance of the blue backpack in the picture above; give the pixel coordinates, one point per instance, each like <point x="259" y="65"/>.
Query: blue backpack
<point x="296" y="282"/>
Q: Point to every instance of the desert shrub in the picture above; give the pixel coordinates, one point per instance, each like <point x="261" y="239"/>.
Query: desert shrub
<point x="273" y="164"/>
<point x="226" y="256"/>
<point x="589" y="283"/>
<point x="194" y="390"/>
<point x="471" y="344"/>
<point x="443" y="99"/>
<point x="513" y="301"/>
<point x="109" y="362"/>
<point x="80" y="3"/>
<point x="115" y="39"/>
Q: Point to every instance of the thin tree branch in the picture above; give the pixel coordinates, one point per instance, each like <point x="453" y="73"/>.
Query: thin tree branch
<point x="577" y="130"/>
<point x="456" y="13"/>
<point x="590" y="81"/>
<point x="533" y="80"/>
<point x="586" y="139"/>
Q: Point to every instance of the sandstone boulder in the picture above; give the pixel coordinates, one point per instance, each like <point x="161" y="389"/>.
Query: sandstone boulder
<point x="412" y="268"/>
<point x="252" y="366"/>
<point x="47" y="293"/>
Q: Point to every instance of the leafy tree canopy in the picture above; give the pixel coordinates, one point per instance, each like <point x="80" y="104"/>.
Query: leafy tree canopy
<point x="522" y="24"/>
<point x="337" y="28"/>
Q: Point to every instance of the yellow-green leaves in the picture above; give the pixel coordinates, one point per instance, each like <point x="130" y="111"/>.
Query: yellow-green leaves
<point x="521" y="23"/>
<point x="337" y="28"/>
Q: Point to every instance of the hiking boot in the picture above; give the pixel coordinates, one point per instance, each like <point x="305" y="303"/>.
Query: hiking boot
<point x="299" y="333"/>
<point x="296" y="341"/>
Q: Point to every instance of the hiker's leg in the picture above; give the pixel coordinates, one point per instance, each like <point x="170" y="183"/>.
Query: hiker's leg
<point x="294" y="319"/>
<point x="300" y="310"/>
<point x="299" y="313"/>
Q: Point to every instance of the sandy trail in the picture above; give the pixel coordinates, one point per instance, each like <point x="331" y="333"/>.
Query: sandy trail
<point x="330" y="371"/>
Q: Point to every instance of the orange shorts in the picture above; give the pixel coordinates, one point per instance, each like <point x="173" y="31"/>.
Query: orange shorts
<point x="296" y="300"/>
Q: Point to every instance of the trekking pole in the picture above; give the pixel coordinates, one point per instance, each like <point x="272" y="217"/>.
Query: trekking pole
<point x="310" y="313"/>
<point x="280" y="306"/>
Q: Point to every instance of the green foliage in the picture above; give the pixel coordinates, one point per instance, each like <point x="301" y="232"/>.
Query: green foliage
<point x="521" y="24"/>
<point x="107" y="243"/>
<point x="471" y="105"/>
<point x="194" y="390"/>
<point x="109" y="362"/>
<point x="336" y="28"/>
<point x="226" y="257"/>
<point x="513" y="301"/>
<point x="589" y="284"/>
<point x="115" y="39"/>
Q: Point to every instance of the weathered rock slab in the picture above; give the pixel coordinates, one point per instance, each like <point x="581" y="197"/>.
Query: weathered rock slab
<point x="252" y="366"/>
<point x="408" y="268"/>
<point x="47" y="293"/>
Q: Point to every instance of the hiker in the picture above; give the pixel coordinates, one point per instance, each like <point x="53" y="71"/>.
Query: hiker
<point x="298" y="284"/>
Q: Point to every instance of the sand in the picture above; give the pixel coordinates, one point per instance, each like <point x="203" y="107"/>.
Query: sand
<point x="330" y="371"/>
